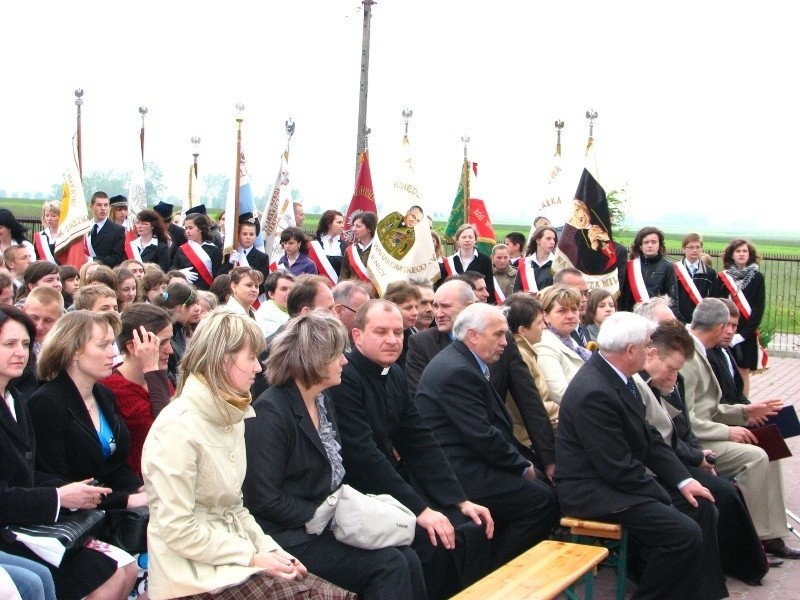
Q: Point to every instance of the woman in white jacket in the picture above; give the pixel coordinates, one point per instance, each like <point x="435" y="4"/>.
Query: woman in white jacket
<point x="201" y="538"/>
<point x="559" y="356"/>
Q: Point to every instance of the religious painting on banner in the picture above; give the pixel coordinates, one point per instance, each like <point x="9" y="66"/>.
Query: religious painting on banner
<point x="403" y="245"/>
<point x="586" y="241"/>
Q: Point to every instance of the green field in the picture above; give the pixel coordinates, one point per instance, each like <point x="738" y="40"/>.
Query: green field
<point x="766" y="243"/>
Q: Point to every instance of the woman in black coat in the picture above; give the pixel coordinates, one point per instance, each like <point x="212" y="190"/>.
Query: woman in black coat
<point x="742" y="282"/>
<point x="30" y="497"/>
<point x="467" y="258"/>
<point x="81" y="434"/>
<point x="294" y="464"/>
<point x="153" y="241"/>
<point x="199" y="259"/>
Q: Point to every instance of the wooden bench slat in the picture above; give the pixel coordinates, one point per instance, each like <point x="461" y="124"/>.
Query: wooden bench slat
<point x="540" y="573"/>
<point x="591" y="525"/>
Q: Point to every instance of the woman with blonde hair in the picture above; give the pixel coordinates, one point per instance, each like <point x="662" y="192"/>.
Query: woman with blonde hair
<point x="558" y="355"/>
<point x="45" y="241"/>
<point x="294" y="463"/>
<point x="202" y="541"/>
<point x="467" y="258"/>
<point x="77" y="353"/>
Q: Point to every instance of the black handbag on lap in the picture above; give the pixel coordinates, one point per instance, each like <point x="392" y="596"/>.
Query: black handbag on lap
<point x="126" y="528"/>
<point x="53" y="541"/>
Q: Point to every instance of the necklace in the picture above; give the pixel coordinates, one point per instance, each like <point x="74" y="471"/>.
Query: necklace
<point x="91" y="406"/>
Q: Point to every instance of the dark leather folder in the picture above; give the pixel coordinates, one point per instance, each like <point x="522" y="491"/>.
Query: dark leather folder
<point x="771" y="440"/>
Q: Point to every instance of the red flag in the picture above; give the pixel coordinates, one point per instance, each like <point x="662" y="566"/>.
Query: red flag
<point x="478" y="215"/>
<point x="363" y="199"/>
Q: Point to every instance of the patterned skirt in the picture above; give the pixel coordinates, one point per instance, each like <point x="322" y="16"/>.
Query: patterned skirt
<point x="262" y="586"/>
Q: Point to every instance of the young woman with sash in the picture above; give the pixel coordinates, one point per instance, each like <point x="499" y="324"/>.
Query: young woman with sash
<point x="328" y="246"/>
<point x="45" y="241"/>
<point x="199" y="259"/>
<point x="649" y="273"/>
<point x="467" y="258"/>
<point x="152" y="245"/>
<point x="535" y="271"/>
<point x="742" y="282"/>
<point x="354" y="265"/>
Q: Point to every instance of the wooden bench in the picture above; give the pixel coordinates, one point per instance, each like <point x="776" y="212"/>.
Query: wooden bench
<point x="542" y="572"/>
<point x="609" y="535"/>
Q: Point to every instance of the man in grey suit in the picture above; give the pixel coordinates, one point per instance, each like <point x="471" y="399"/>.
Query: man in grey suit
<point x="509" y="374"/>
<point x="472" y="425"/>
<point x="612" y="465"/>
<point x="723" y="428"/>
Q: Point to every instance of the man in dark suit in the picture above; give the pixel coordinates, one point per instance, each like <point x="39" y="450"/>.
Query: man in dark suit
<point x="723" y="362"/>
<point x="473" y="427"/>
<point x="605" y="446"/>
<point x="509" y="374"/>
<point x="106" y="239"/>
<point x="388" y="450"/>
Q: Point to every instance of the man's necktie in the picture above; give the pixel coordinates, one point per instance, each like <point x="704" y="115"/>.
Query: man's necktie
<point x="486" y="373"/>
<point x="633" y="389"/>
<point x="94" y="230"/>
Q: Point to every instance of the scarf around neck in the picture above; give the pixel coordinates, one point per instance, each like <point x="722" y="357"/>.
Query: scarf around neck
<point x="742" y="277"/>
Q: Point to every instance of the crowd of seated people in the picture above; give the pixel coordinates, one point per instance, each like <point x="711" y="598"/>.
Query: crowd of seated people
<point x="137" y="375"/>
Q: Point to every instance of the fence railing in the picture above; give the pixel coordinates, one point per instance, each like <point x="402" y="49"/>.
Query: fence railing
<point x="781" y="323"/>
<point x="780" y="327"/>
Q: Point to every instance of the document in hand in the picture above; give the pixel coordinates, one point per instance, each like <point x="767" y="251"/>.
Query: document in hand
<point x="771" y="440"/>
<point x="787" y="421"/>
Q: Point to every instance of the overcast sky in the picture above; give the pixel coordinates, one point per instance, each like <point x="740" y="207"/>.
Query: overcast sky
<point x="696" y="100"/>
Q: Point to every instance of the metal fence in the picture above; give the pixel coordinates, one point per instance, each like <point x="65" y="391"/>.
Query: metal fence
<point x="781" y="323"/>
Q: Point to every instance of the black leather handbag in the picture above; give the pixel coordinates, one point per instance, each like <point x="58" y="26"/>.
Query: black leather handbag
<point x="126" y="528"/>
<point x="53" y="541"/>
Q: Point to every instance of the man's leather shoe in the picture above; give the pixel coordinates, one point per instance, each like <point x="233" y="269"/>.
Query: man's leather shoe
<point x="777" y="547"/>
<point x="774" y="562"/>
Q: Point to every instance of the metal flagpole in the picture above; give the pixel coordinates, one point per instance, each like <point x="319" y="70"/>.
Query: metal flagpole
<point x="364" y="84"/>
<point x="78" y="104"/>
<point x="235" y="216"/>
<point x="143" y="112"/>
<point x="195" y="151"/>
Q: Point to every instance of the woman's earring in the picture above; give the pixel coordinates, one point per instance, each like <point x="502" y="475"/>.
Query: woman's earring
<point x="74" y="362"/>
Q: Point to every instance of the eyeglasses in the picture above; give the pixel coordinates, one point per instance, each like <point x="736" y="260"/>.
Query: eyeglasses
<point x="584" y="293"/>
<point x="352" y="310"/>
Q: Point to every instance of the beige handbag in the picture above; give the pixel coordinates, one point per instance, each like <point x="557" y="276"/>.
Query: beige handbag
<point x="363" y="520"/>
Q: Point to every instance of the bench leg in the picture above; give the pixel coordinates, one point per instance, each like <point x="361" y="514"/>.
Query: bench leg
<point x="622" y="566"/>
<point x="588" y="587"/>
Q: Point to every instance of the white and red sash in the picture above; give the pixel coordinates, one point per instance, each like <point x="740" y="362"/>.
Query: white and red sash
<point x="199" y="259"/>
<point x="736" y="295"/>
<point x="133" y="248"/>
<point x="527" y="276"/>
<point x="324" y="266"/>
<point x="499" y="296"/>
<point x="42" y="244"/>
<point x="358" y="266"/>
<point x="636" y="281"/>
<point x="687" y="282"/>
<point x="450" y="266"/>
